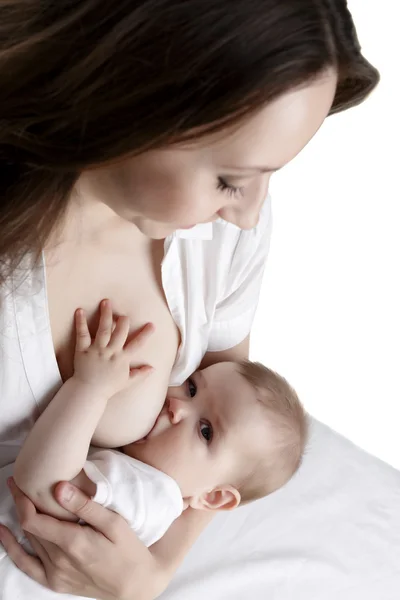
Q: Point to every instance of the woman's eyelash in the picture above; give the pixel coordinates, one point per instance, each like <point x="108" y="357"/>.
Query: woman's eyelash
<point x="232" y="190"/>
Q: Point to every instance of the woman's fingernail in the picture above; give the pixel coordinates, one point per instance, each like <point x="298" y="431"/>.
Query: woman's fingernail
<point x="67" y="492"/>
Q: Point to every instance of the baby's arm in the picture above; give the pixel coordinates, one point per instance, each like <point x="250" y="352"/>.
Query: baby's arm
<point x="57" y="446"/>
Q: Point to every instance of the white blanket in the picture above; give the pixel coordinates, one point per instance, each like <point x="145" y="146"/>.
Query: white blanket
<point x="333" y="533"/>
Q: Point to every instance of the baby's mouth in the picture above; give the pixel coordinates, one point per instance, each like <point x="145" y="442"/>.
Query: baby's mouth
<point x="160" y="424"/>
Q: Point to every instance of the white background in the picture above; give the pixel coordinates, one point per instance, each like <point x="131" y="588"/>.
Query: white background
<point x="328" y="318"/>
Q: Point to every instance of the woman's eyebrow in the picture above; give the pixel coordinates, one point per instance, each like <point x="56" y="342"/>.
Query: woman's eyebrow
<point x="253" y="168"/>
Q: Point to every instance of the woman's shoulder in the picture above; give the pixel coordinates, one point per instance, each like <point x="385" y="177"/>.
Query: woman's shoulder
<point x="26" y="278"/>
<point x="28" y="370"/>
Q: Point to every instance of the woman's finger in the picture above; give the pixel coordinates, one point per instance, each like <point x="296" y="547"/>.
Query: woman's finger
<point x="26" y="510"/>
<point x="44" y="526"/>
<point x="83" y="339"/>
<point x="140" y="337"/>
<point x="105" y="327"/>
<point x="30" y="565"/>
<point x="103" y="520"/>
<point x="39" y="548"/>
<point x="120" y="334"/>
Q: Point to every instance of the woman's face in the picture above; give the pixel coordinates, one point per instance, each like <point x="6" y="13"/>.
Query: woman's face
<point x="224" y="175"/>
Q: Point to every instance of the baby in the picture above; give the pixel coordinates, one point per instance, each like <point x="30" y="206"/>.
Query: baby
<point x="232" y="433"/>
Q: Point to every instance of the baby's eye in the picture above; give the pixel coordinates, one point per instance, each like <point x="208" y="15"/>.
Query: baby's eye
<point x="206" y="431"/>
<point x="192" y="388"/>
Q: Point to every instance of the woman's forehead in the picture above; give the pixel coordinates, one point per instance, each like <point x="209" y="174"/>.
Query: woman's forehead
<point x="276" y="133"/>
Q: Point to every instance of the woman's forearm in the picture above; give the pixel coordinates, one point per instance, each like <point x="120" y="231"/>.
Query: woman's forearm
<point x="57" y="446"/>
<point x="235" y="354"/>
<point x="172" y="548"/>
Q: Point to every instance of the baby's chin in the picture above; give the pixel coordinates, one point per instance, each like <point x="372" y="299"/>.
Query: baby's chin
<point x="141" y="450"/>
<point x="133" y="450"/>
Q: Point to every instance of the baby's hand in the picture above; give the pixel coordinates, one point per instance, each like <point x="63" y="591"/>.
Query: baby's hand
<point x="107" y="361"/>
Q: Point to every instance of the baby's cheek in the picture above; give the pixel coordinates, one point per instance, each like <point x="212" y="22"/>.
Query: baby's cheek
<point x="176" y="461"/>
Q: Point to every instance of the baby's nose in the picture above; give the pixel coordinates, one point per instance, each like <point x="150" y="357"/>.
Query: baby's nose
<point x="176" y="410"/>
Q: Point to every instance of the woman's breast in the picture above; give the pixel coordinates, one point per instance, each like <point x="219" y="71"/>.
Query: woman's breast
<point x="132" y="281"/>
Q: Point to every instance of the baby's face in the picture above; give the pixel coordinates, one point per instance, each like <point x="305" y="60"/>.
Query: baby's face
<point x="206" y="432"/>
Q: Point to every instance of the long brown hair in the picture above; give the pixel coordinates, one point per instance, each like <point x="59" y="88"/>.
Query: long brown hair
<point x="85" y="82"/>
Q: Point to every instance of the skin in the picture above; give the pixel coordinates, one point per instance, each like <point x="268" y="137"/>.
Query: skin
<point x="99" y="248"/>
<point x="179" y="186"/>
<point x="204" y="442"/>
<point x="209" y="432"/>
<point x="157" y="193"/>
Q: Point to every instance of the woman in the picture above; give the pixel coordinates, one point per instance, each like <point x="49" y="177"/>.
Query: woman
<point x="123" y="125"/>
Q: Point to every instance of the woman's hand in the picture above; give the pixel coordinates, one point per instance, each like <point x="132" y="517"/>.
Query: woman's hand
<point x="103" y="560"/>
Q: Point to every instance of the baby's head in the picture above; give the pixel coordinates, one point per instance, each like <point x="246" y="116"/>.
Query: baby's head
<point x="232" y="433"/>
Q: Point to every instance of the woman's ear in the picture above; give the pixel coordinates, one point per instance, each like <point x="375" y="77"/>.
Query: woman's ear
<point x="221" y="498"/>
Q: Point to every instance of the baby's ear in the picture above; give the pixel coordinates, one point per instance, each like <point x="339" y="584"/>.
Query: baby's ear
<point x="221" y="498"/>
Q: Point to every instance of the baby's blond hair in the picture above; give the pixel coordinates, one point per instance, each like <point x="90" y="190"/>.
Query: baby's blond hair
<point x="290" y="432"/>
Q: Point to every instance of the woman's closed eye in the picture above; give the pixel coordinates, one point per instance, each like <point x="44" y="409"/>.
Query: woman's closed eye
<point x="228" y="188"/>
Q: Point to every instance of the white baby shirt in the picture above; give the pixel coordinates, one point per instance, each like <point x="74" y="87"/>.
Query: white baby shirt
<point x="148" y="499"/>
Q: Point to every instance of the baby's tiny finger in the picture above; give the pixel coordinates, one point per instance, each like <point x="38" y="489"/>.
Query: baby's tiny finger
<point x="104" y="329"/>
<point x="120" y="334"/>
<point x="140" y="337"/>
<point x="83" y="339"/>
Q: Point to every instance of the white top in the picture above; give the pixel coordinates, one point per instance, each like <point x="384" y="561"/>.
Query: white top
<point x="148" y="499"/>
<point x="211" y="277"/>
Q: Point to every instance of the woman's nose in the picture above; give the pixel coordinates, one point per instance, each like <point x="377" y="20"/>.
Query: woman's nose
<point x="243" y="218"/>
<point x="177" y="410"/>
<point x="246" y="214"/>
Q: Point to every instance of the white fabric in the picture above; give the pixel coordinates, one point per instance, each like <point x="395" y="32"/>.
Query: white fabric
<point x="333" y="533"/>
<point x="148" y="499"/>
<point x="211" y="277"/>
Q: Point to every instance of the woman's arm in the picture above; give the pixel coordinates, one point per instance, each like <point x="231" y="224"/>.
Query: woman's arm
<point x="107" y="560"/>
<point x="235" y="354"/>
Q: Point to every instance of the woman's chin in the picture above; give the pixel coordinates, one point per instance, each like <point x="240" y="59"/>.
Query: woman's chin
<point x="154" y="229"/>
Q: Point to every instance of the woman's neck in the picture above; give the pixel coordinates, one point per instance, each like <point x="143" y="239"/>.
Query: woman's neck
<point x="87" y="219"/>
